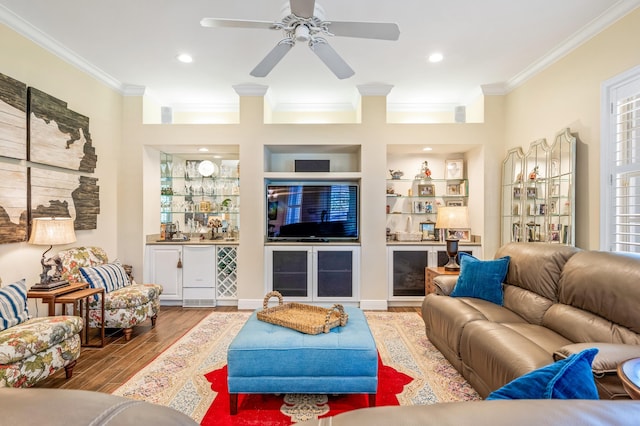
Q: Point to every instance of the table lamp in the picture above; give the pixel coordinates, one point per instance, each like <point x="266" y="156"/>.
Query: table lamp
<point x="51" y="231"/>
<point x="452" y="218"/>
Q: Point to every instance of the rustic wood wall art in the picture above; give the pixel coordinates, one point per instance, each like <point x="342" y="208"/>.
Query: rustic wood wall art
<point x="65" y="194"/>
<point x="58" y="136"/>
<point x="13" y="118"/>
<point x="13" y="203"/>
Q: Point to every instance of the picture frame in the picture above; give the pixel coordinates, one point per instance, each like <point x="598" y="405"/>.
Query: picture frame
<point x="455" y="189"/>
<point x="427" y="190"/>
<point x="428" y="230"/>
<point x="454" y="203"/>
<point x="532" y="192"/>
<point x="555" y="190"/>
<point x="430" y="207"/>
<point x="454" y="169"/>
<point x="462" y="234"/>
<point x="517" y="192"/>
<point x="418" y="207"/>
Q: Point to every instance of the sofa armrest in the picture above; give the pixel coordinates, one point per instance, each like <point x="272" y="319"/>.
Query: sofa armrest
<point x="609" y="356"/>
<point x="444" y="284"/>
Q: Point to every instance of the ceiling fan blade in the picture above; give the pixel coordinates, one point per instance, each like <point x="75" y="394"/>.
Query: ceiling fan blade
<point x="331" y="58"/>
<point x="237" y="23"/>
<point x="302" y="8"/>
<point x="271" y="60"/>
<point x="376" y="30"/>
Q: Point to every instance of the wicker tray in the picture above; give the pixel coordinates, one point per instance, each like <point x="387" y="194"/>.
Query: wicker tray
<point x="303" y="318"/>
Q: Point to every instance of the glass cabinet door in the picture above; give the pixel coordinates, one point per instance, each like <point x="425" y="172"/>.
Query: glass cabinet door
<point x="534" y="195"/>
<point x="512" y="186"/>
<point x="290" y="272"/>
<point x="334" y="273"/>
<point x="407" y="269"/>
<point x="561" y="213"/>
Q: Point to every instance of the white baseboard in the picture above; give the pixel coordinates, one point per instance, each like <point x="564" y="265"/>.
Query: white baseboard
<point x="373" y="305"/>
<point x="249" y="304"/>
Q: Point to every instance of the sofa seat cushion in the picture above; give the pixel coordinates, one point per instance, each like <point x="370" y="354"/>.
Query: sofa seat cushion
<point x="36" y="335"/>
<point x="486" y="344"/>
<point x="129" y="297"/>
<point x="547" y="339"/>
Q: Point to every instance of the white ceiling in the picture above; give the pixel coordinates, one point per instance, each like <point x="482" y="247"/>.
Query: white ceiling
<point x="495" y="44"/>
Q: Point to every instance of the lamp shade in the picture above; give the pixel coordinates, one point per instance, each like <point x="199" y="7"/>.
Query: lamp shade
<point x="452" y="218"/>
<point x="51" y="231"/>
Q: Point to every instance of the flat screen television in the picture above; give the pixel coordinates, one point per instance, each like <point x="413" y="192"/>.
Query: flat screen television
<point x="312" y="211"/>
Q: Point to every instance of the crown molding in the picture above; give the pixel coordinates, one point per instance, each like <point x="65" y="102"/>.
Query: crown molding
<point x="27" y="30"/>
<point x="611" y="15"/>
<point x="133" y="90"/>
<point x="250" y="89"/>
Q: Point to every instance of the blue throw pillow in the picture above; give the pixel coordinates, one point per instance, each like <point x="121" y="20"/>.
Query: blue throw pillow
<point x="13" y="304"/>
<point x="570" y="378"/>
<point x="481" y="279"/>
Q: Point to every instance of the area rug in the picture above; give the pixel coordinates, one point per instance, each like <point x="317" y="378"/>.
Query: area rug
<point x="179" y="377"/>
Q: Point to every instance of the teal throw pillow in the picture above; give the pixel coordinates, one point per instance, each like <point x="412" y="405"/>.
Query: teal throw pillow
<point x="481" y="279"/>
<point x="13" y="304"/>
<point x="570" y="378"/>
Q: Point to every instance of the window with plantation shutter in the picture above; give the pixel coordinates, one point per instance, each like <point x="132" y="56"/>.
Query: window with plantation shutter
<point x="620" y="162"/>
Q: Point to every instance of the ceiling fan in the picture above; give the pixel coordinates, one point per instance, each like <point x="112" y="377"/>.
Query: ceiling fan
<point x="305" y="23"/>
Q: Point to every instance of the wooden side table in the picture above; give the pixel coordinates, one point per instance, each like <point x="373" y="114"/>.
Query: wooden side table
<point x="50" y="296"/>
<point x="79" y="299"/>
<point x="629" y="373"/>
<point x="430" y="272"/>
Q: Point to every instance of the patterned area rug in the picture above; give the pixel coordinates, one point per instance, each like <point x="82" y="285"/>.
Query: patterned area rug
<point x="176" y="378"/>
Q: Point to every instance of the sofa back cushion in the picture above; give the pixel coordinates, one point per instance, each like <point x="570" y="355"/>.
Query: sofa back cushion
<point x="536" y="266"/>
<point x="75" y="258"/>
<point x="604" y="284"/>
<point x="13" y="304"/>
<point x="529" y="305"/>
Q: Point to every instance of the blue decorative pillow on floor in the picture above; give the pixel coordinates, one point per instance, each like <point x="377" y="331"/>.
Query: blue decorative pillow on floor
<point x="570" y="378"/>
<point x="13" y="304"/>
<point x="481" y="279"/>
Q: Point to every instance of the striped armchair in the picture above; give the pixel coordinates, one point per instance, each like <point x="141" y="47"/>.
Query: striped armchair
<point x="126" y="303"/>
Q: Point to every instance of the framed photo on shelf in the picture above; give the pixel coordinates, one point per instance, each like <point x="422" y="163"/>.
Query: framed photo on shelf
<point x="555" y="190"/>
<point x="427" y="190"/>
<point x="455" y="189"/>
<point x="454" y="169"/>
<point x="532" y="192"/>
<point x="454" y="203"/>
<point x="462" y="234"/>
<point x="418" y="207"/>
<point x="517" y="191"/>
<point x="428" y="230"/>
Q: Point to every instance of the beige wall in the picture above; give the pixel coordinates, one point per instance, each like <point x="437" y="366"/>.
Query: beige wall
<point x="567" y="94"/>
<point x="32" y="65"/>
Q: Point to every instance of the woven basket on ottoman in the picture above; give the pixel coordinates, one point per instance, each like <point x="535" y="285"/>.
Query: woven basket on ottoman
<point x="268" y="358"/>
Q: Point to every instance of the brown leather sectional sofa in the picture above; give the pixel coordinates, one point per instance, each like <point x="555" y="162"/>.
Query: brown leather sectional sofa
<point x="558" y="300"/>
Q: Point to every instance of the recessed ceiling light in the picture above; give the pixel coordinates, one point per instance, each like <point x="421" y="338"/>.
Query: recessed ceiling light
<point x="217" y="156"/>
<point x="436" y="57"/>
<point x="203" y="149"/>
<point x="428" y="148"/>
<point x="185" y="58"/>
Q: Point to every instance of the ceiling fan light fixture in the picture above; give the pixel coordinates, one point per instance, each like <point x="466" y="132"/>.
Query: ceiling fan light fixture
<point x="302" y="33"/>
<point x="185" y="58"/>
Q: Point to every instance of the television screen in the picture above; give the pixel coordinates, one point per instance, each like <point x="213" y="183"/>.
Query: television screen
<point x="312" y="211"/>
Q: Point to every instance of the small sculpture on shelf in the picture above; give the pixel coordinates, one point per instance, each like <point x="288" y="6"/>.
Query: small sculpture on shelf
<point x="534" y="173"/>
<point x="425" y="172"/>
<point x="396" y="174"/>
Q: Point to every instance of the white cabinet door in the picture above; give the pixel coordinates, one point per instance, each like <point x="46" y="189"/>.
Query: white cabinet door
<point x="199" y="266"/>
<point x="163" y="262"/>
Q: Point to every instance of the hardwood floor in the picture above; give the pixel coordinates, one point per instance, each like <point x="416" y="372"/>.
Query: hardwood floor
<point x="105" y="369"/>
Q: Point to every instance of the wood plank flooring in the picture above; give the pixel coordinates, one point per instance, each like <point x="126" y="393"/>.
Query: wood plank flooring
<point x="105" y="369"/>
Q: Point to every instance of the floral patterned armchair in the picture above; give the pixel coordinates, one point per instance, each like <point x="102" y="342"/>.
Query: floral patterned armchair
<point x="32" y="349"/>
<point x="126" y="303"/>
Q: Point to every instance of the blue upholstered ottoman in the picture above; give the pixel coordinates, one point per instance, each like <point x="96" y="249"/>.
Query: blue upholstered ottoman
<point x="267" y="358"/>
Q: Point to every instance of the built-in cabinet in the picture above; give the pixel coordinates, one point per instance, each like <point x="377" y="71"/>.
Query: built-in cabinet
<point x="407" y="263"/>
<point x="193" y="275"/>
<point x="313" y="273"/>
<point x="191" y="194"/>
<point x="538" y="192"/>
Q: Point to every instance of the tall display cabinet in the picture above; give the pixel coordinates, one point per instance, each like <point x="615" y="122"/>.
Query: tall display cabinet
<point x="538" y="192"/>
